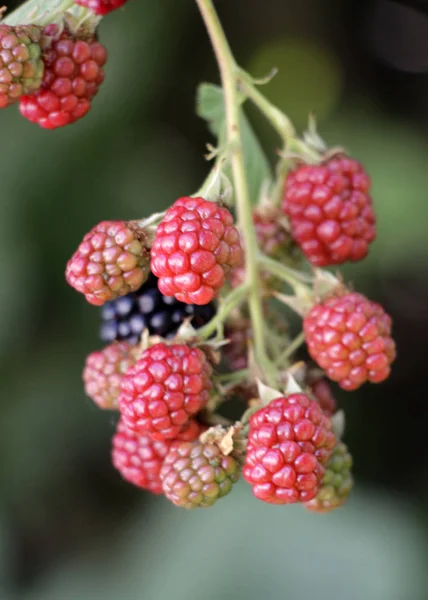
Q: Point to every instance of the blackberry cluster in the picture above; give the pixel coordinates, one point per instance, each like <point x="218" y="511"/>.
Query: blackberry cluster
<point x="125" y="318"/>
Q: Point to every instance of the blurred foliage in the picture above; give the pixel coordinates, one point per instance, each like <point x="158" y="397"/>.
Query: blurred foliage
<point x="69" y="527"/>
<point x="311" y="77"/>
<point x="244" y="549"/>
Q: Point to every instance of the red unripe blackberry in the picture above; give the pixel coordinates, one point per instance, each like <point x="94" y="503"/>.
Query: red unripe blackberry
<point x="101" y="7"/>
<point x="111" y="261"/>
<point x="164" y="389"/>
<point x="350" y="338"/>
<point x="322" y="392"/>
<point x="272" y="231"/>
<point x="238" y="333"/>
<point x="139" y="459"/>
<point x="196" y="475"/>
<point x="274" y="239"/>
<point x="330" y="210"/>
<point x="195" y="248"/>
<point x="289" y="442"/>
<point x="336" y="484"/>
<point x="21" y="66"/>
<point x="72" y="75"/>
<point x="104" y="370"/>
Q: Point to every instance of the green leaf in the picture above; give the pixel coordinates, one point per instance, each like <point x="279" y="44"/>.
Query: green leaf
<point x="33" y="11"/>
<point x="210" y="106"/>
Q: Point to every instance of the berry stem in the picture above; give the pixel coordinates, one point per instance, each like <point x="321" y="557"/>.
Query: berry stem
<point x="228" y="73"/>
<point x="282" y="359"/>
<point x="235" y="377"/>
<point x="294" y="278"/>
<point x="212" y="187"/>
<point x="279" y="121"/>
<point x="153" y="220"/>
<point x="281" y="173"/>
<point x="228" y="304"/>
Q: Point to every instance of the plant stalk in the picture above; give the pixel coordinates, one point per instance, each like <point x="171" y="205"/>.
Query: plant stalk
<point x="295" y="279"/>
<point x="230" y="302"/>
<point x="229" y="73"/>
<point x="282" y="359"/>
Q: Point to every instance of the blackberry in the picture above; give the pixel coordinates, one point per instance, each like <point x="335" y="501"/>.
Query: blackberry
<point x="125" y="318"/>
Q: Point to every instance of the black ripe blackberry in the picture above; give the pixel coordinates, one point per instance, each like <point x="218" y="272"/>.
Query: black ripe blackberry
<point x="125" y="318"/>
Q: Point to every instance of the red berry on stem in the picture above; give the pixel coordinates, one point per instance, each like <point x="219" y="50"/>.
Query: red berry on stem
<point x="273" y="238"/>
<point x="164" y="389"/>
<point x="238" y="335"/>
<point x="111" y="261"/>
<point x="139" y="458"/>
<point x="104" y="371"/>
<point x="73" y="73"/>
<point x="101" y="7"/>
<point x="322" y="392"/>
<point x="272" y="232"/>
<point x="349" y="337"/>
<point x="330" y="210"/>
<point x="289" y="442"/>
<point x="195" y="248"/>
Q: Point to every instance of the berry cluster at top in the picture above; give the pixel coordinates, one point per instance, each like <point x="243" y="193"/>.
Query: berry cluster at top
<point x="53" y="66"/>
<point x="189" y="297"/>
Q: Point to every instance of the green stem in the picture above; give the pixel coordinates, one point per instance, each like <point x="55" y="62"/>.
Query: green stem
<point x="279" y="121"/>
<point x="291" y="349"/>
<point x="226" y="307"/>
<point x="298" y="281"/>
<point x="211" y="188"/>
<point x="281" y="172"/>
<point x="154" y="219"/>
<point x="276" y="341"/>
<point x="235" y="377"/>
<point x="228" y="74"/>
<point x="282" y="125"/>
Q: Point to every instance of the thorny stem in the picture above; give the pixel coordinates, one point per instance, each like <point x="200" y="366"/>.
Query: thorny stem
<point x="228" y="74"/>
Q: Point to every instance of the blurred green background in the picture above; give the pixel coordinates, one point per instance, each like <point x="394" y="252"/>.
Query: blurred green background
<point x="69" y="527"/>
